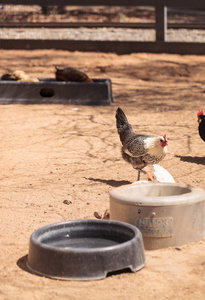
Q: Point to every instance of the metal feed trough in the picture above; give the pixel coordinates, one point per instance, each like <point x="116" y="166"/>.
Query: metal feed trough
<point x="48" y="90"/>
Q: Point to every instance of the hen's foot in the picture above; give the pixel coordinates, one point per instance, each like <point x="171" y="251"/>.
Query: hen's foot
<point x="105" y="216"/>
<point x="150" y="175"/>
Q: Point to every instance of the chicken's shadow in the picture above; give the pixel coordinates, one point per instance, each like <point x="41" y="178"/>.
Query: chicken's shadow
<point x="199" y="160"/>
<point x="111" y="182"/>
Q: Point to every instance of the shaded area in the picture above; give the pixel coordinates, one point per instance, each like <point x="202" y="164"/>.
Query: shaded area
<point x="22" y="264"/>
<point x="113" y="273"/>
<point x="111" y="182"/>
<point x="200" y="160"/>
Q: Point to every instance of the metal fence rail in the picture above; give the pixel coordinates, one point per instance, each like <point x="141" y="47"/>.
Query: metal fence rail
<point x="120" y="47"/>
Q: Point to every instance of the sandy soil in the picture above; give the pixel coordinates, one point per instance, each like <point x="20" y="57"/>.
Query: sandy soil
<point x="52" y="153"/>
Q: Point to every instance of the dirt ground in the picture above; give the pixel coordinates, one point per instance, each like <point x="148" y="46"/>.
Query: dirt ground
<point x="53" y="153"/>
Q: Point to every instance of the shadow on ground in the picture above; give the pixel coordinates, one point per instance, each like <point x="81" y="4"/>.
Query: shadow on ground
<point x="199" y="160"/>
<point x="22" y="264"/>
<point x="111" y="182"/>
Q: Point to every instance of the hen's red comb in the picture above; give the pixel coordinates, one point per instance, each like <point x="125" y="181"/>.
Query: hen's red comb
<point x="199" y="113"/>
<point x="165" y="137"/>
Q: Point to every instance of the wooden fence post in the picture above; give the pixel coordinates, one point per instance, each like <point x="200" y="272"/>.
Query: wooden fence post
<point x="161" y="23"/>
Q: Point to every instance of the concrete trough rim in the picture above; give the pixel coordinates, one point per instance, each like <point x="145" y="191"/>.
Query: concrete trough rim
<point x="193" y="195"/>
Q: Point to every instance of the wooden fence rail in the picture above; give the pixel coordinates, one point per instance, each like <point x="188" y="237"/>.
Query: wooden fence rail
<point x="160" y="44"/>
<point x="171" y="3"/>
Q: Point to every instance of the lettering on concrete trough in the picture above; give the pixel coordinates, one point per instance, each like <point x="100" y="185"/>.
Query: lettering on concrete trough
<point x="155" y="228"/>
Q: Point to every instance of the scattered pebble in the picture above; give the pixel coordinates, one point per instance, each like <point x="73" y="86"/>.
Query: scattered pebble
<point x="178" y="248"/>
<point x="97" y="215"/>
<point x="67" y="202"/>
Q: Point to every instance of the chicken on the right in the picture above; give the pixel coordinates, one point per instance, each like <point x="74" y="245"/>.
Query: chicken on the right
<point x="201" y="121"/>
<point x="139" y="150"/>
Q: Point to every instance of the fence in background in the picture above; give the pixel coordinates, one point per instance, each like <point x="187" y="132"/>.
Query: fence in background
<point x="120" y="47"/>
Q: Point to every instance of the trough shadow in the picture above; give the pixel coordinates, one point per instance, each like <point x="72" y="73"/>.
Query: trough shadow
<point x="123" y="271"/>
<point x="199" y="160"/>
<point x="22" y="264"/>
<point x="111" y="182"/>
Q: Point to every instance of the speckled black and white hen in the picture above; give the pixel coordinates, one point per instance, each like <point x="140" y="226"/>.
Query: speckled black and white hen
<point x="139" y="150"/>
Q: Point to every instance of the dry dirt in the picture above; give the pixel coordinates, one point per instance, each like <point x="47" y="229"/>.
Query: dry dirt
<point x="53" y="153"/>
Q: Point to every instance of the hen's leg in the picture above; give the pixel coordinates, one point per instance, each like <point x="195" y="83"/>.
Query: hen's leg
<point x="138" y="178"/>
<point x="139" y="170"/>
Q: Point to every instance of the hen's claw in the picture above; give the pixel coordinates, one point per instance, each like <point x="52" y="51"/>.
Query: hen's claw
<point x="151" y="176"/>
<point x="105" y="216"/>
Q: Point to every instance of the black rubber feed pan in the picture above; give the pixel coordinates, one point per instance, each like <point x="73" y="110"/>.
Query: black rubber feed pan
<point x="50" y="91"/>
<point x="85" y="249"/>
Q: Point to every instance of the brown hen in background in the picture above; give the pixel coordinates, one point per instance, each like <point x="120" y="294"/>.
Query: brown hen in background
<point x="71" y="74"/>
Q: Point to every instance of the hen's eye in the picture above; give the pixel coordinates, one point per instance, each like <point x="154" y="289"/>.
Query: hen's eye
<point x="161" y="141"/>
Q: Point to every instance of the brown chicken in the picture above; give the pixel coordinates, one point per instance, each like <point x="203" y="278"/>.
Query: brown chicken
<point x="71" y="74"/>
<point x="138" y="149"/>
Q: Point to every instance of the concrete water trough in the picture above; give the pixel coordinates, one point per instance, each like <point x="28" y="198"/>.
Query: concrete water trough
<point x="48" y="90"/>
<point x="167" y="214"/>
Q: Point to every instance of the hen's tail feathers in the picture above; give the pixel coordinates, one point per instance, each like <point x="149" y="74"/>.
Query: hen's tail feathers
<point x="123" y="127"/>
<point x="121" y="121"/>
